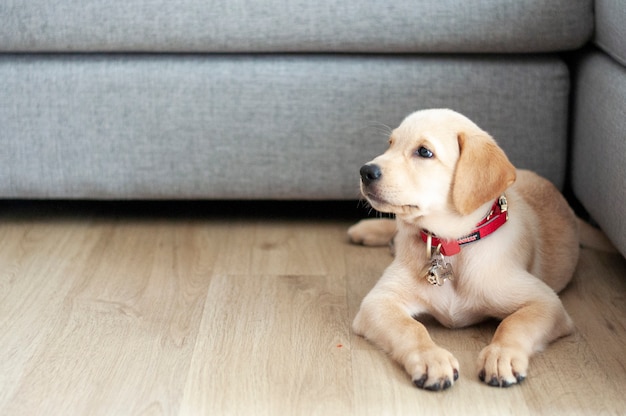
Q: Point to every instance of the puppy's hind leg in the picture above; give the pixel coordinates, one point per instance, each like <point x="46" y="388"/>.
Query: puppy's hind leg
<point x="373" y="232"/>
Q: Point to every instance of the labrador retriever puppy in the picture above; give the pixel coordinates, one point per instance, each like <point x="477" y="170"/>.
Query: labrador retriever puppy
<point x="474" y="239"/>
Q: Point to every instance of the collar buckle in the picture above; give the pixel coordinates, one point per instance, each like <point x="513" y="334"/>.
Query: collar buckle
<point x="504" y="205"/>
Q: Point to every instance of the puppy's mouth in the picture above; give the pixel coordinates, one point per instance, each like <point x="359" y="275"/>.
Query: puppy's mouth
<point x="374" y="199"/>
<point x="381" y="204"/>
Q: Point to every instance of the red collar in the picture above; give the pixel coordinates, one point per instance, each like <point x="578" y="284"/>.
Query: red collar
<point x="497" y="216"/>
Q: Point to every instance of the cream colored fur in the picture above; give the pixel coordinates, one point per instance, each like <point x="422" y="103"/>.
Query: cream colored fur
<point x="513" y="274"/>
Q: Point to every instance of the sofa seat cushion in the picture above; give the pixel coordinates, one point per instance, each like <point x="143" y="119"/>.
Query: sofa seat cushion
<point x="294" y="26"/>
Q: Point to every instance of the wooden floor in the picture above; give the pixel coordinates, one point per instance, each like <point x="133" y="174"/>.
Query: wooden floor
<point x="210" y="310"/>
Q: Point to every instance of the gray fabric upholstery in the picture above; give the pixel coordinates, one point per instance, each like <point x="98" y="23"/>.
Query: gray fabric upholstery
<point x="294" y="25"/>
<point x="271" y="126"/>
<point x="610" y="32"/>
<point x="599" y="148"/>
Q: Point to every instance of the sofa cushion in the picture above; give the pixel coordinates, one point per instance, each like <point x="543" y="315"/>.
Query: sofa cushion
<point x="250" y="127"/>
<point x="610" y="32"/>
<point x="294" y="25"/>
<point x="599" y="174"/>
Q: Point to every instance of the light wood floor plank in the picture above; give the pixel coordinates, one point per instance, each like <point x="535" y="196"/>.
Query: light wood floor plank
<point x="36" y="276"/>
<point x="272" y="345"/>
<point x="126" y="329"/>
<point x="282" y="247"/>
<point x="105" y="314"/>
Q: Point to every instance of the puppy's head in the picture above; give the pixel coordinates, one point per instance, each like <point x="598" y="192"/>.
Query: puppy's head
<point x="438" y="161"/>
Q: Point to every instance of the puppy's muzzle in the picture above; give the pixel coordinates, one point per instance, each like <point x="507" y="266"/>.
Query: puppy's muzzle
<point x="370" y="173"/>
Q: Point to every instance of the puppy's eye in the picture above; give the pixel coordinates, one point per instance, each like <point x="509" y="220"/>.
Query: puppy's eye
<point x="424" y="152"/>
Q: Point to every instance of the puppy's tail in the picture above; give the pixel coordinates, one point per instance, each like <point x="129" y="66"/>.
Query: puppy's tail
<point x="593" y="238"/>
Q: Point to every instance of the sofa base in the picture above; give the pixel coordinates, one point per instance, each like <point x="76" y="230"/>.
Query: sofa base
<point x="253" y="126"/>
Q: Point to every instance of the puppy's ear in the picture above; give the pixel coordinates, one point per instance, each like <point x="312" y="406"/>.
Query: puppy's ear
<point x="482" y="173"/>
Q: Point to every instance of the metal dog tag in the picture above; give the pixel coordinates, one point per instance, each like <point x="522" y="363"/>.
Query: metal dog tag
<point x="439" y="270"/>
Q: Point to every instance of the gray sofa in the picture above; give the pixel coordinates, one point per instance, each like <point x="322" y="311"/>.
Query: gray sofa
<point x="598" y="165"/>
<point x="285" y="99"/>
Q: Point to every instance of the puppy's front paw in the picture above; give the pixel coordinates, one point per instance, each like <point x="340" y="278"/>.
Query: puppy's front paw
<point x="434" y="369"/>
<point x="502" y="366"/>
<point x="372" y="232"/>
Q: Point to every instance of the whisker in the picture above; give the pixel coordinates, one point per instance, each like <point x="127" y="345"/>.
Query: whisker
<point x="381" y="128"/>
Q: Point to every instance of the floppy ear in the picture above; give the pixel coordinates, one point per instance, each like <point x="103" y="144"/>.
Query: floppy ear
<point x="482" y="173"/>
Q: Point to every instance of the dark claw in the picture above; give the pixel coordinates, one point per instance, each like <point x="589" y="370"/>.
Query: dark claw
<point x="456" y="374"/>
<point x="446" y="384"/>
<point x="419" y="383"/>
<point x="434" y="387"/>
<point x="439" y="386"/>
<point x="494" y="382"/>
<point x="482" y="375"/>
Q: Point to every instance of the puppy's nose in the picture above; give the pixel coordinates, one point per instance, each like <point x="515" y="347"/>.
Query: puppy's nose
<point x="370" y="173"/>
